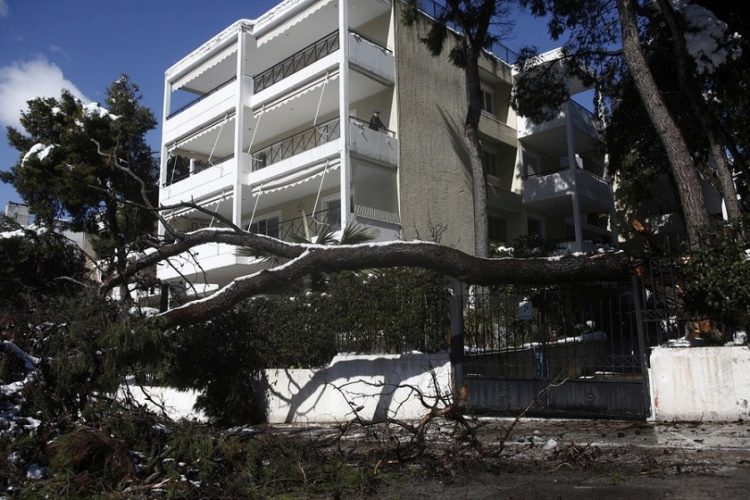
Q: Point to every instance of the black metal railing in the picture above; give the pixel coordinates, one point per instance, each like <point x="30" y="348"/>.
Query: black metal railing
<point x="178" y="167"/>
<point x="363" y="123"/>
<point x="369" y="40"/>
<point x="435" y="9"/>
<point x="586" y="330"/>
<point x="296" y="144"/>
<point x="297" y="61"/>
<point x="593" y="168"/>
<point x="200" y="98"/>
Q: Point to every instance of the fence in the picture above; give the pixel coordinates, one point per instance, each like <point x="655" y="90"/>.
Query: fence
<point x="301" y="59"/>
<point x="547" y="332"/>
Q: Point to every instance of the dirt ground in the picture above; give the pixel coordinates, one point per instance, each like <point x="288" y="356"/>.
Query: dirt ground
<point x="561" y="459"/>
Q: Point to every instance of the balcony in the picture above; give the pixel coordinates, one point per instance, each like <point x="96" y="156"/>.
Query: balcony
<point x="377" y="145"/>
<point x="366" y="56"/>
<point x="219" y="101"/>
<point x="319" y="143"/>
<point x="549" y="189"/>
<point x="582" y="119"/>
<point x="219" y="263"/>
<point x="297" y="61"/>
<point x="202" y="181"/>
<point x="371" y="58"/>
<point x="296" y="144"/>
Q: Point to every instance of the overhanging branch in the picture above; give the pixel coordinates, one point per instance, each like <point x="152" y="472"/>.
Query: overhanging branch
<point x="306" y="259"/>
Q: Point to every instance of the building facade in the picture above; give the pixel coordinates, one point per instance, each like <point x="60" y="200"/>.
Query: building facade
<point x="268" y="124"/>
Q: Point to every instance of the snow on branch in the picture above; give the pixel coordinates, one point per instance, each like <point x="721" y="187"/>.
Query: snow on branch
<point x="304" y="259"/>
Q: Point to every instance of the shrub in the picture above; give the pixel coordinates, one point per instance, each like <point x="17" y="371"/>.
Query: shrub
<point x="717" y="276"/>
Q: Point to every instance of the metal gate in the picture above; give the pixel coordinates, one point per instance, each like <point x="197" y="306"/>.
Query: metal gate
<point x="560" y="350"/>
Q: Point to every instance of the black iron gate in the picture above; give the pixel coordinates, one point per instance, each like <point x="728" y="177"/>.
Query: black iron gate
<point x="574" y="350"/>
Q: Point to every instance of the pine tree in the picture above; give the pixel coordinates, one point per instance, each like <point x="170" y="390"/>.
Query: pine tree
<point x="81" y="163"/>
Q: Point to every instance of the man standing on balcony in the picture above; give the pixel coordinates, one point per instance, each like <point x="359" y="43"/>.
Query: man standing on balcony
<point x="375" y="122"/>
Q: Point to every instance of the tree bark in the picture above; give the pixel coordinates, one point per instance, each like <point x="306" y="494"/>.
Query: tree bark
<point x="678" y="153"/>
<point x="471" y="132"/>
<point x="708" y="122"/>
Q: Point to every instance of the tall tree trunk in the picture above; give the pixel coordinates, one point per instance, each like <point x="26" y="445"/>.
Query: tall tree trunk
<point x="471" y="131"/>
<point x="681" y="163"/>
<point x="708" y="122"/>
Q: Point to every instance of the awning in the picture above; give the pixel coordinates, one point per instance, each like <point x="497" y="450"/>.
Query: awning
<point x="205" y="66"/>
<point x="203" y="140"/>
<point x="314" y="86"/>
<point x="295" y="178"/>
<point x="275" y="32"/>
<point x="210" y="203"/>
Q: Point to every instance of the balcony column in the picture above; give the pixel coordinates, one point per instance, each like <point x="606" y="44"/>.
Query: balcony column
<point x="346" y="173"/>
<point x="239" y="123"/>
<point x="573" y="167"/>
<point x="163" y="162"/>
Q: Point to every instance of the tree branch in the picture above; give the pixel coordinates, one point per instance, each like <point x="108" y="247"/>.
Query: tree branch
<point x="315" y="258"/>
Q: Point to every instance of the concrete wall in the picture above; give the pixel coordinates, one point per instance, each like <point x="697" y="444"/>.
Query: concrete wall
<point x="434" y="183"/>
<point x="700" y="383"/>
<point x="369" y="381"/>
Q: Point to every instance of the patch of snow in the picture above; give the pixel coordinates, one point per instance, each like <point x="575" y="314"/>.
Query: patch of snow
<point x="550" y="445"/>
<point x="36" y="471"/>
<point x="706" y="37"/>
<point x="32" y="424"/>
<point x="93" y="109"/>
<point x="15" y="458"/>
<point x="161" y="428"/>
<point x="39" y="150"/>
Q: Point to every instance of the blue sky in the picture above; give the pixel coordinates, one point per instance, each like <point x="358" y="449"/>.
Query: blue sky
<point x="84" y="45"/>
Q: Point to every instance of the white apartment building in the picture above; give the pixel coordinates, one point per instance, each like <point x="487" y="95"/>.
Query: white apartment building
<point x="275" y="137"/>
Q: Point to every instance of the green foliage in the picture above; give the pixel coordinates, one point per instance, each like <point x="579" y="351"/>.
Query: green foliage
<point x="33" y="262"/>
<point x="87" y="346"/>
<point x="717" y="277"/>
<point x="68" y="176"/>
<point x="539" y="91"/>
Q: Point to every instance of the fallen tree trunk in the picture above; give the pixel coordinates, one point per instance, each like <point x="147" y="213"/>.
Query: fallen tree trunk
<point x="306" y="259"/>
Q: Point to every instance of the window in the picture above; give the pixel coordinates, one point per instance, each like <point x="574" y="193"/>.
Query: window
<point x="488" y="101"/>
<point x="498" y="231"/>
<point x="268" y="226"/>
<point x="334" y="214"/>
<point x="490" y="163"/>
<point x="534" y="228"/>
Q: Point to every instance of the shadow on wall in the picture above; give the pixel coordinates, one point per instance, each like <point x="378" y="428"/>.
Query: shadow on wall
<point x="372" y="386"/>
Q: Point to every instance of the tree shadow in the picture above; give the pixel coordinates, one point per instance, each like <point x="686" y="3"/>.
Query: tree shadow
<point x="373" y="387"/>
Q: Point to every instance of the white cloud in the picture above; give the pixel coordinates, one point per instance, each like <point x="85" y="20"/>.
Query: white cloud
<point x="21" y="82"/>
<point x="3" y="8"/>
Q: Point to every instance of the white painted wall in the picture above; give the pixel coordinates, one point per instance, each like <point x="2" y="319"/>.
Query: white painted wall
<point x="369" y="381"/>
<point x="372" y="58"/>
<point x="700" y="384"/>
<point x="373" y="382"/>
